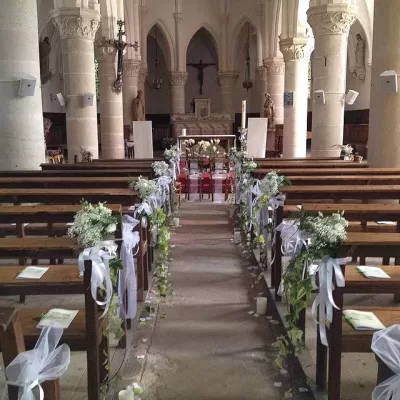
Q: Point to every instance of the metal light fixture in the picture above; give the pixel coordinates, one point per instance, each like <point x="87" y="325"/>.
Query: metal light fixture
<point x="157" y="81"/>
<point x="247" y="83"/>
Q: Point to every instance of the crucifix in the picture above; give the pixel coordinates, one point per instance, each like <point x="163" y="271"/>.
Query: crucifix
<point x="200" y="75"/>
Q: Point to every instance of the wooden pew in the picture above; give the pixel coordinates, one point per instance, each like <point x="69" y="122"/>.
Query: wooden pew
<point x="360" y="179"/>
<point x="309" y="164"/>
<point x="298" y="194"/>
<point x="284" y="170"/>
<point x="93" y="166"/>
<point x="87" y="331"/>
<point x="11" y="344"/>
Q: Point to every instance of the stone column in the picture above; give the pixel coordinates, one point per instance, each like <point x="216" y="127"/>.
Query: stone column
<point x="263" y="77"/>
<point x="177" y="82"/>
<point x="296" y="55"/>
<point x="227" y="81"/>
<point x="21" y="118"/>
<point x="142" y="82"/>
<point x="331" y="24"/>
<point x="276" y="84"/>
<point x="78" y="27"/>
<point x="275" y="67"/>
<point x="130" y="88"/>
<point x="111" y="115"/>
<point x="384" y="118"/>
<point x="132" y="60"/>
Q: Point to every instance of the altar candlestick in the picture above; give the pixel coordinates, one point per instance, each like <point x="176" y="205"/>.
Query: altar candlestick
<point x="244" y="114"/>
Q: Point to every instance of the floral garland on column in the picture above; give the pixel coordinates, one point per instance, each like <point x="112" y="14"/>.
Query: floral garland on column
<point x="312" y="239"/>
<point x="243" y="166"/>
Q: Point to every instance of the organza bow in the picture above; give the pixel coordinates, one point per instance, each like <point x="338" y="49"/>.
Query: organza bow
<point x="45" y="362"/>
<point x="293" y="239"/>
<point x="100" y="256"/>
<point x="127" y="277"/>
<point x="145" y="208"/>
<point x="277" y="201"/>
<point x="163" y="182"/>
<point x="322" y="308"/>
<point x="386" y="345"/>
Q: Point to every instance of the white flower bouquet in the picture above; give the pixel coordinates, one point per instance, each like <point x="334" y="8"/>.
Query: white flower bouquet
<point x="92" y="224"/>
<point x="346" y="149"/>
<point x="145" y="188"/>
<point x="160" y="168"/>
<point x="172" y="153"/>
<point x="271" y="183"/>
<point x="86" y="155"/>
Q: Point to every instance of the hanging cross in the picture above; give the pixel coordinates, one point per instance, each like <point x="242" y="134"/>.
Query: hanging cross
<point x="200" y="75"/>
<point x="120" y="45"/>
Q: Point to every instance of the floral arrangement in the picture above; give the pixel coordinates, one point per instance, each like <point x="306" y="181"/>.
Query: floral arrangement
<point x="173" y="153"/>
<point x="145" y="187"/>
<point x="189" y="147"/>
<point x="86" y="155"/>
<point x="345" y="149"/>
<point x="160" y="168"/>
<point x="325" y="234"/>
<point x="92" y="224"/>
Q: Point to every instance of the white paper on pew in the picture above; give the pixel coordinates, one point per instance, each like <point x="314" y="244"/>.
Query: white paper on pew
<point x="392" y="223"/>
<point x="26" y="224"/>
<point x="372" y="272"/>
<point x="58" y="317"/>
<point x="32" y="272"/>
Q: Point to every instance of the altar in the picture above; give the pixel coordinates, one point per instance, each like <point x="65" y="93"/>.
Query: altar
<point x="202" y="122"/>
<point x="226" y="141"/>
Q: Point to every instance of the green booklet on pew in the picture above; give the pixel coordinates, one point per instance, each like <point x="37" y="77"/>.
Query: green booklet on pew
<point x="372" y="272"/>
<point x="363" y="320"/>
<point x="58" y="317"/>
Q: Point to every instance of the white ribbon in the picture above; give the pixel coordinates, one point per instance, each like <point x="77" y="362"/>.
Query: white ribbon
<point x="127" y="277"/>
<point x="100" y="256"/>
<point x="277" y="201"/>
<point x="145" y="208"/>
<point x="163" y="183"/>
<point x="322" y="308"/>
<point x="386" y="345"/>
<point x="45" y="362"/>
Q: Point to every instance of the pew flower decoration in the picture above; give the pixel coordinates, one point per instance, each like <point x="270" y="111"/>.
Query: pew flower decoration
<point x="345" y="149"/>
<point x="86" y="155"/>
<point x="93" y="224"/>
<point x="173" y="157"/>
<point x="320" y="237"/>
<point x="146" y="188"/>
<point x="160" y="168"/>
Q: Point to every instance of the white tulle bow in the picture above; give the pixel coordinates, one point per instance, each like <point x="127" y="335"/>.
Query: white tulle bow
<point x="322" y="308"/>
<point x="127" y="277"/>
<point x="100" y="256"/>
<point x="277" y="201"/>
<point x="386" y="345"/>
<point x="45" y="362"/>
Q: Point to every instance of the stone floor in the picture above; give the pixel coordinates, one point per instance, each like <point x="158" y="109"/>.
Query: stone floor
<point x="205" y="344"/>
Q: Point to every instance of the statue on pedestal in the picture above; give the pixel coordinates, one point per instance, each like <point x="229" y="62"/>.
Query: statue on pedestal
<point x="360" y="71"/>
<point x="44" y="55"/>
<point x="269" y="110"/>
<point x="138" y="113"/>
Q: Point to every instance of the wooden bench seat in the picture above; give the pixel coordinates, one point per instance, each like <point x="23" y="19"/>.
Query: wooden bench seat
<point x="59" y="279"/>
<point x="285" y="170"/>
<point x="106" y="172"/>
<point x="354" y="341"/>
<point x="363" y="178"/>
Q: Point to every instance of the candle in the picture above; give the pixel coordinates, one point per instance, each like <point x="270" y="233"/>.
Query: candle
<point x="261" y="305"/>
<point x="120" y="9"/>
<point x="176" y="222"/>
<point x="183" y="131"/>
<point x="126" y="395"/>
<point x="244" y="114"/>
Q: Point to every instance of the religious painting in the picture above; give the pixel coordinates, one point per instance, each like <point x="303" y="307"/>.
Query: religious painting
<point x="288" y="99"/>
<point x="202" y="108"/>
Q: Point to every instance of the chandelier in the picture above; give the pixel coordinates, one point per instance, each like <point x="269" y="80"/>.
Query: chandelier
<point x="247" y="83"/>
<point x="157" y="81"/>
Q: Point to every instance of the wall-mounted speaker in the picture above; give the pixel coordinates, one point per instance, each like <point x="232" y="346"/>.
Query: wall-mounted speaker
<point x="319" y="96"/>
<point x="87" y="99"/>
<point x="389" y="82"/>
<point x="27" y="86"/>
<point x="351" y="97"/>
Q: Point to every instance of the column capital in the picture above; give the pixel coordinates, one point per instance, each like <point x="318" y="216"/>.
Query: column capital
<point x="332" y="19"/>
<point x="178" y="17"/>
<point x="227" y="78"/>
<point x="295" y="48"/>
<point x="177" y="78"/>
<point x="142" y="75"/>
<point x="105" y="53"/>
<point x="262" y="73"/>
<point x="144" y="11"/>
<point x="76" y="22"/>
<point x="260" y="9"/>
<point x="131" y="67"/>
<point x="274" y="66"/>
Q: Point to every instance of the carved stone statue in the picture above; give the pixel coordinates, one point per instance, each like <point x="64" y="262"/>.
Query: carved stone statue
<point x="44" y="54"/>
<point x="138" y="113"/>
<point x="360" y="59"/>
<point x="46" y="127"/>
<point x="269" y="110"/>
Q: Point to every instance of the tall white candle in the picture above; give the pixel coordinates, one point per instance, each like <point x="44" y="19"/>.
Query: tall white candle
<point x="126" y="395"/>
<point x="183" y="131"/>
<point x="262" y="305"/>
<point x="120" y="10"/>
<point x="243" y="114"/>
